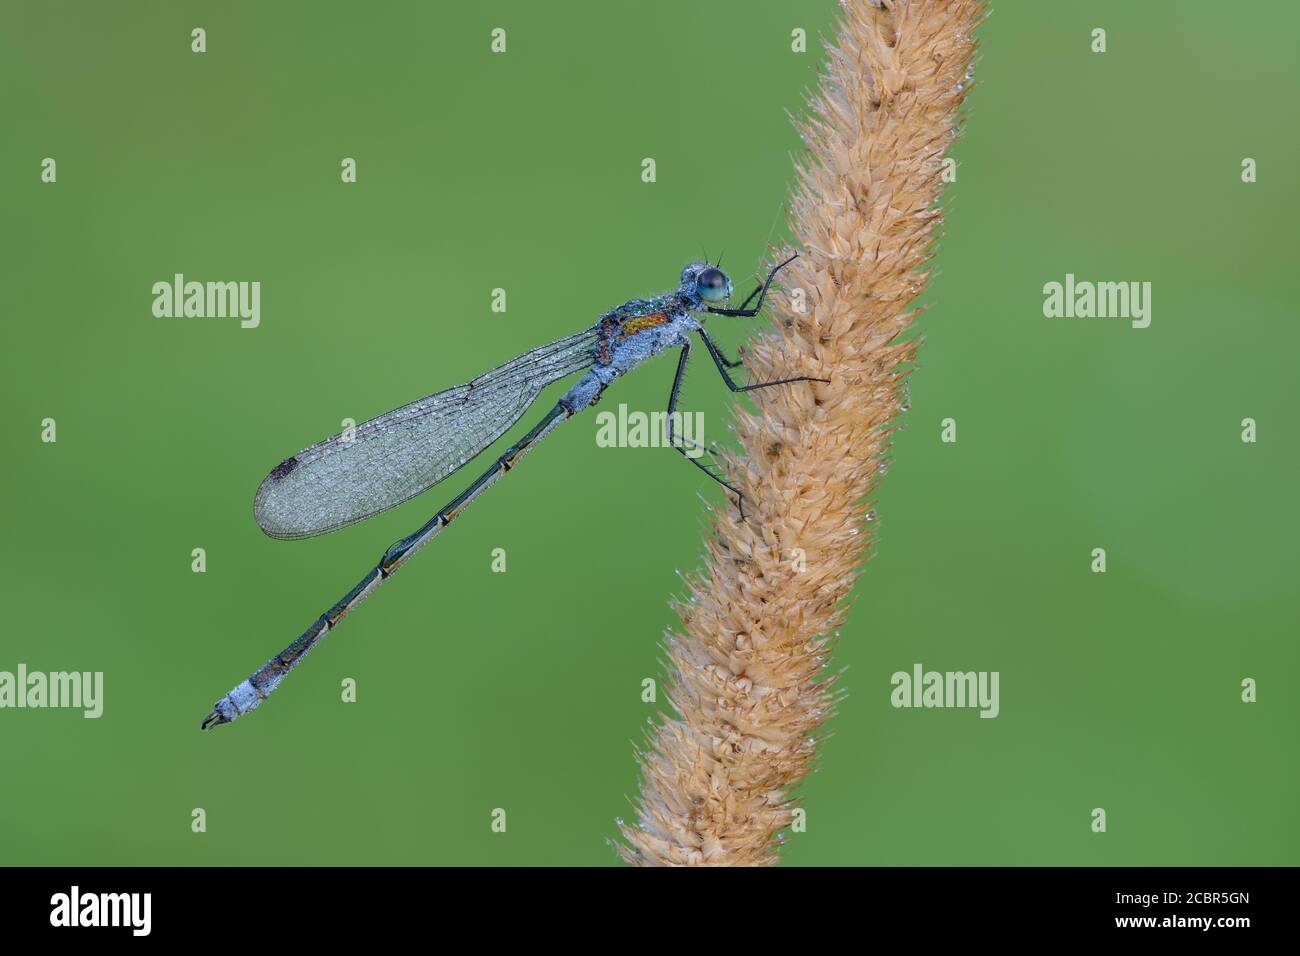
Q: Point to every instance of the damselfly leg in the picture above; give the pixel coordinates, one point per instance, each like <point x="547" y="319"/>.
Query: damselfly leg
<point x="720" y="362"/>
<point x="680" y="446"/>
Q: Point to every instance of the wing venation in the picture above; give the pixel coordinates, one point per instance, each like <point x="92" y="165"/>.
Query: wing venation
<point x="394" y="457"/>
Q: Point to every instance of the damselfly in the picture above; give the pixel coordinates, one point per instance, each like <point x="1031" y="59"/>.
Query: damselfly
<point x="393" y="458"/>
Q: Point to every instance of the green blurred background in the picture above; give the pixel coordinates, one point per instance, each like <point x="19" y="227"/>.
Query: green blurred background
<point x="521" y="690"/>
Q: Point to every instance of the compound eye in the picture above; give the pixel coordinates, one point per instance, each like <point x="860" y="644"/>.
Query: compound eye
<point x="712" y="279"/>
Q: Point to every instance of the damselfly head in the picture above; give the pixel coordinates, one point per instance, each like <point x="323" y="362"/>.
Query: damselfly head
<point x="705" y="282"/>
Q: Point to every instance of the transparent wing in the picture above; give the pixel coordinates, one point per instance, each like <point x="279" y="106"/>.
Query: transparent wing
<point x="392" y="458"/>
